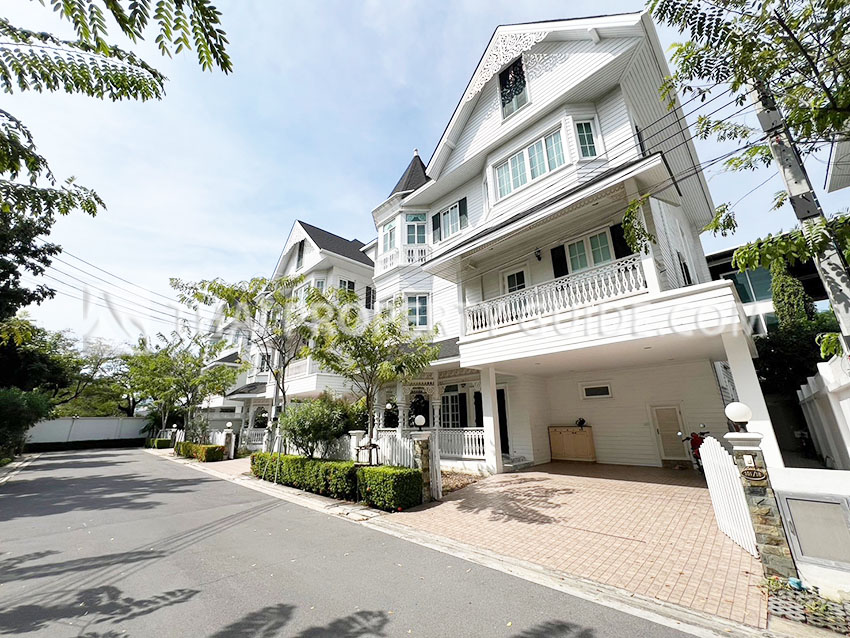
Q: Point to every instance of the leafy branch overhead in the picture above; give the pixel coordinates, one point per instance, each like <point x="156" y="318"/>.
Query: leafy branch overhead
<point x="796" y="51"/>
<point x="30" y="195"/>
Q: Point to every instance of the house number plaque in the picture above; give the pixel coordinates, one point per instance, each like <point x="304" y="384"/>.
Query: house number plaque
<point x="753" y="474"/>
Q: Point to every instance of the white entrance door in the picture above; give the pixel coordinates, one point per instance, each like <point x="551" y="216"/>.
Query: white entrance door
<point x="668" y="425"/>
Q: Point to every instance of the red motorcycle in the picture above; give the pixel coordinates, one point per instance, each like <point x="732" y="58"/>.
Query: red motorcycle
<point x="696" y="440"/>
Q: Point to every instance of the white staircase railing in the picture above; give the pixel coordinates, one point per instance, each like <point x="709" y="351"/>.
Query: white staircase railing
<point x="727" y="495"/>
<point x="617" y="279"/>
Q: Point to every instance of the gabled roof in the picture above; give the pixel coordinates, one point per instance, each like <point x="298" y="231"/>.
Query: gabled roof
<point x="508" y="42"/>
<point x="413" y="177"/>
<point x="257" y="388"/>
<point x="325" y="240"/>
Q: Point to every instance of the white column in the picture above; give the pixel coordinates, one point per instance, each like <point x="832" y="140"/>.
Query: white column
<point x="490" y="408"/>
<point x="461" y="308"/>
<point x="647" y="259"/>
<point x="749" y="391"/>
<point x="401" y="404"/>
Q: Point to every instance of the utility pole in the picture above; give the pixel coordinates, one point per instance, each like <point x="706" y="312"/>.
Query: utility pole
<point x="831" y="265"/>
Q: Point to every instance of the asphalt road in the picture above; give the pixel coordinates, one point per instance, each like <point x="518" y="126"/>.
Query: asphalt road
<point x="115" y="543"/>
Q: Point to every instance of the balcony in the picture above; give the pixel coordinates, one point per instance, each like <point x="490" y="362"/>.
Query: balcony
<point x="405" y="255"/>
<point x="301" y="368"/>
<point x="621" y="278"/>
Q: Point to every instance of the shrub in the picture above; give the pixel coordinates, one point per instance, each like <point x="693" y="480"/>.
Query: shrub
<point x="337" y="479"/>
<point x="19" y="411"/>
<point x="208" y="453"/>
<point x="184" y="448"/>
<point x="159" y="444"/>
<point x="5" y="461"/>
<point x="390" y="488"/>
<point x="312" y="425"/>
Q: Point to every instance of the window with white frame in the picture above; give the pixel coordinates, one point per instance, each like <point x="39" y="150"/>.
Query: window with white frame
<point x="544" y="155"/>
<point x="299" y="257"/>
<point x="515" y="281"/>
<point x="453" y="408"/>
<point x="585" y="139"/>
<point x="591" y="250"/>
<point x="347" y="284"/>
<point x="596" y="391"/>
<point x="512" y="88"/>
<point x="450" y="221"/>
<point x="417" y="310"/>
<point x="416" y="228"/>
<point x="319" y="285"/>
<point x="388" y="233"/>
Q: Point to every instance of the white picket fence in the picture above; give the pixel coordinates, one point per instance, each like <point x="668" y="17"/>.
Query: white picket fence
<point x="727" y="495"/>
<point x="395" y="451"/>
<point x="252" y="438"/>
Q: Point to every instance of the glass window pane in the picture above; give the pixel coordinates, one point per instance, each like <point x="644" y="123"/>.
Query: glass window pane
<point x="420" y="234"/>
<point x="578" y="256"/>
<point x="516" y="281"/>
<point x="587" y="147"/>
<point x="600" y="249"/>
<point x="742" y="285"/>
<point x="760" y="283"/>
<point x="554" y="150"/>
<point x="535" y="159"/>
<point x="416" y="217"/>
<point x="503" y="176"/>
<point x="411" y="233"/>
<point x="423" y="310"/>
<point x="518" y="177"/>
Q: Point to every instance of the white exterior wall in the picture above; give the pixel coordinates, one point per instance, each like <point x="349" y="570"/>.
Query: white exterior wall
<point x="86" y="429"/>
<point x="556" y="67"/>
<point x="623" y="431"/>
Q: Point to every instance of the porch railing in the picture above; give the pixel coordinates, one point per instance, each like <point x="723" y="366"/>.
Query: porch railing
<point x="301" y="368"/>
<point x="461" y="443"/>
<point x="455" y="443"/>
<point x="619" y="278"/>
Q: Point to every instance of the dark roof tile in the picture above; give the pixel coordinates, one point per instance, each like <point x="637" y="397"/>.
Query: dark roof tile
<point x="335" y="244"/>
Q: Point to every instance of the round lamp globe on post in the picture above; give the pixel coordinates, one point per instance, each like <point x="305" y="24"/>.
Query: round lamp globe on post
<point x="419" y="421"/>
<point x="389" y="406"/>
<point x="739" y="413"/>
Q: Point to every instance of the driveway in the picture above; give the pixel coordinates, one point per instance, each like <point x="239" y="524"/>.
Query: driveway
<point x="646" y="530"/>
<point x="120" y="543"/>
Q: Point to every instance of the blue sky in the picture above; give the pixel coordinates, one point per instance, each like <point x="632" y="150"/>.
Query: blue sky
<point x="328" y="100"/>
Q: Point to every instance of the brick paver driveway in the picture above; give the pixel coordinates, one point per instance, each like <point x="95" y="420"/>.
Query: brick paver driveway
<point x="649" y="531"/>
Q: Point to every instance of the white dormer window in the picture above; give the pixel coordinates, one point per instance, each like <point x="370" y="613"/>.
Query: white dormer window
<point x="512" y="88"/>
<point x="346" y="284"/>
<point x="389" y="236"/>
<point x="586" y="140"/>
<point x="299" y="257"/>
<point x="416" y="228"/>
<point x="544" y="155"/>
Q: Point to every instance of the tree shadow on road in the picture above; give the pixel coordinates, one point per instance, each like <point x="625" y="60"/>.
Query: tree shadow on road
<point x="269" y="622"/>
<point x="556" y="629"/>
<point x="522" y="499"/>
<point x="14" y="569"/>
<point x="263" y="623"/>
<point x="97" y="605"/>
<point x="50" y="495"/>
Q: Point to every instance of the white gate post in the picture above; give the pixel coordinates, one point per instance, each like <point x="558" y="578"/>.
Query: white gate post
<point x="761" y="502"/>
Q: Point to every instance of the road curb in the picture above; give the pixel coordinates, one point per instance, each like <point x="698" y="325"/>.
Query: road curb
<point x="13" y="468"/>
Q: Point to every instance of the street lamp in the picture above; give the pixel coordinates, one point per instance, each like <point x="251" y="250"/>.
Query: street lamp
<point x="740" y="414"/>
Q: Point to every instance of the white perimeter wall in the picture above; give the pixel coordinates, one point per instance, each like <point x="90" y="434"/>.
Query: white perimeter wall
<point x="86" y="429"/>
<point x="622" y="425"/>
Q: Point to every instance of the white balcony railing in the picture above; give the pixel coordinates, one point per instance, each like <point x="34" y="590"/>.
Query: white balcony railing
<point x="405" y="255"/>
<point x="301" y="368"/>
<point x="619" y="278"/>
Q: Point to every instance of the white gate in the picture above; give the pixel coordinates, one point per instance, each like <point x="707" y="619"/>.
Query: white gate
<point x="396" y="451"/>
<point x="727" y="495"/>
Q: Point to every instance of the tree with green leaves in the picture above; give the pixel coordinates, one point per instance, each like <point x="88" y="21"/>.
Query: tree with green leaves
<point x="266" y="308"/>
<point x="175" y="372"/>
<point x="799" y="52"/>
<point x="370" y="353"/>
<point x="31" y="196"/>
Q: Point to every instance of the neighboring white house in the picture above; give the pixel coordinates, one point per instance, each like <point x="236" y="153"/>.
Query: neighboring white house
<point x="323" y="260"/>
<point x="510" y="241"/>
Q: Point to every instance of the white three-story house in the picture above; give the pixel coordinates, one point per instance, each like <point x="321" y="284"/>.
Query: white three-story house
<point x="511" y="241"/>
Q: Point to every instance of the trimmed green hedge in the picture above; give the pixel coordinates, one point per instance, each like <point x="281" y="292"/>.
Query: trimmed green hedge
<point x="390" y="488"/>
<point x="5" y="461"/>
<point x="337" y="479"/>
<point x="204" y="453"/>
<point x="385" y="487"/>
<point x="159" y="444"/>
